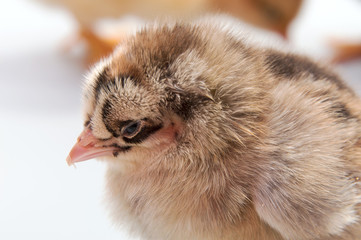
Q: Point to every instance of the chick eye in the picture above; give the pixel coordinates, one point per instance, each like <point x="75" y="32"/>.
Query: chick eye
<point x="131" y="129"/>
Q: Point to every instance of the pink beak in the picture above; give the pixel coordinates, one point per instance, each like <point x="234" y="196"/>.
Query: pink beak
<point x="86" y="149"/>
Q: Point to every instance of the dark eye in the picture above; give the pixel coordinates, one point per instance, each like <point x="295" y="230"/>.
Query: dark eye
<point x="131" y="129"/>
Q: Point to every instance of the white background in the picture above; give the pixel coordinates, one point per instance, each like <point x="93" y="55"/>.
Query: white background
<point x="40" y="117"/>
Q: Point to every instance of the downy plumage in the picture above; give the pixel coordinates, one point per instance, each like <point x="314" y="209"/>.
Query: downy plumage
<point x="208" y="137"/>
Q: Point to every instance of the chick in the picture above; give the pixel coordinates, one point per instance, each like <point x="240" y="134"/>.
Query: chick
<point x="209" y="137"/>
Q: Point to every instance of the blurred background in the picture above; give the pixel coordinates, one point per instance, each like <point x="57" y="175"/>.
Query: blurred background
<point x="47" y="46"/>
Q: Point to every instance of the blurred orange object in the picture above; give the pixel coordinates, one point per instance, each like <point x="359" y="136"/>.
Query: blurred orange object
<point x="346" y="51"/>
<point x="274" y="15"/>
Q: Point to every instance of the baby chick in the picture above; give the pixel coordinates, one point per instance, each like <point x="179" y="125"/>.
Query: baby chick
<point x="209" y="137"/>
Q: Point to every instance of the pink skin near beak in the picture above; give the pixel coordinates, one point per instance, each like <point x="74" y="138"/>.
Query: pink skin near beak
<point x="86" y="149"/>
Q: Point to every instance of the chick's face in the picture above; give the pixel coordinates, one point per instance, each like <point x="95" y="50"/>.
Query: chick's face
<point x="148" y="96"/>
<point x="124" y="118"/>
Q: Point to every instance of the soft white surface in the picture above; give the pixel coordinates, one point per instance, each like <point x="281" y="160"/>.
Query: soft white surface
<point x="40" y="196"/>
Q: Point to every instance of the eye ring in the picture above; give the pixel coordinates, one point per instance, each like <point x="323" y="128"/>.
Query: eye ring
<point x="132" y="129"/>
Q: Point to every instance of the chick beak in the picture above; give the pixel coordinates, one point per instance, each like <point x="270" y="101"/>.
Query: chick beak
<point x="87" y="147"/>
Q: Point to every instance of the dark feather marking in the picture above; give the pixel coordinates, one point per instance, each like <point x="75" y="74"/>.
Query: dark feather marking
<point x="143" y="134"/>
<point x="338" y="109"/>
<point x="105" y="81"/>
<point x="102" y="80"/>
<point x="120" y="149"/>
<point x="133" y="73"/>
<point x="184" y="110"/>
<point x="131" y="76"/>
<point x="341" y="110"/>
<point x="289" y="67"/>
<point x="122" y="81"/>
<point x="188" y="103"/>
<point x="106" y="113"/>
<point x="86" y="124"/>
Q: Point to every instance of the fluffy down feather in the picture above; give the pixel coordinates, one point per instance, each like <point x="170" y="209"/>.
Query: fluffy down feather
<point x="207" y="137"/>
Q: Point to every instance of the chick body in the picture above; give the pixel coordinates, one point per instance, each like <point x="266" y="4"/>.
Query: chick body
<point x="235" y="142"/>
